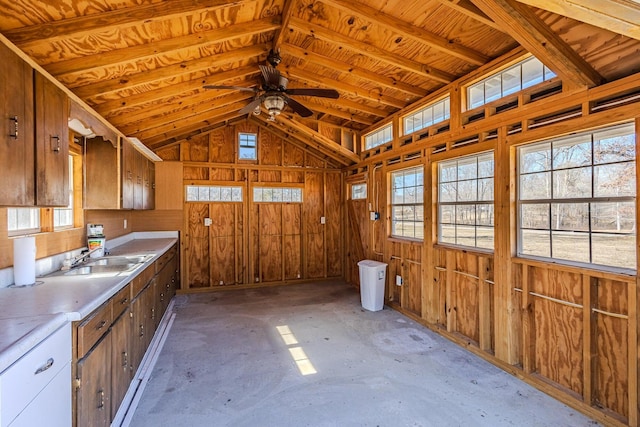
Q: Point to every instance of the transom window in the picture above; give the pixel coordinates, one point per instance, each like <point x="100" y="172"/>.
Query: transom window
<point x="407" y="208"/>
<point x="379" y="137"/>
<point x="247" y="146"/>
<point x="515" y="78"/>
<point x="213" y="193"/>
<point x="358" y="191"/>
<point x="576" y="198"/>
<point x="465" y="201"/>
<point x="277" y="195"/>
<point x="427" y="116"/>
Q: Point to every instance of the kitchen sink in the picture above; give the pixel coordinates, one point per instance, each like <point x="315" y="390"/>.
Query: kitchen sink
<point x="109" y="264"/>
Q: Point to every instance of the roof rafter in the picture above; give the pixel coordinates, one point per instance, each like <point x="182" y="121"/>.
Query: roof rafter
<point x="228" y="120"/>
<point x="532" y="33"/>
<point x="370" y="50"/>
<point x="411" y="31"/>
<point x="471" y="10"/>
<point x="343" y="67"/>
<point x="162" y="47"/>
<point x="620" y="16"/>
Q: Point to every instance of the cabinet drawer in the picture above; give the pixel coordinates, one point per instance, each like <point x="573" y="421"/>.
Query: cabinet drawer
<point x="23" y="380"/>
<point x="121" y="300"/>
<point x="93" y="327"/>
<point x="141" y="281"/>
<point x="165" y="258"/>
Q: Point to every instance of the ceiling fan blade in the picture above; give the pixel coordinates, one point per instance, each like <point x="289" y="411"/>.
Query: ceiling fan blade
<point x="324" y="93"/>
<point x="250" y="107"/>
<point x="271" y="75"/>
<point x="297" y="107"/>
<point x="283" y="82"/>
<point x="245" y="89"/>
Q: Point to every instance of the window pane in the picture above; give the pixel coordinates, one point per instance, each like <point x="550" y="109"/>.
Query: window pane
<point x="466" y="214"/>
<point x="572" y="152"/>
<point x="447" y="192"/>
<point x="616" y="217"/>
<point x="570" y="246"/>
<point x="447" y="234"/>
<point x="447" y="214"/>
<point x="484" y="215"/>
<point x="617" y="250"/>
<point x="465" y="235"/>
<point x="492" y="89"/>
<point x="570" y="216"/>
<point x="485" y="189"/>
<point x="535" y="158"/>
<point x="572" y="183"/>
<point x="532" y="72"/>
<point x="484" y="237"/>
<point x="615" y="180"/>
<point x="511" y="81"/>
<point x="448" y="172"/>
<point x="467" y="191"/>
<point x="192" y="193"/>
<point x="468" y="168"/>
<point x="257" y="194"/>
<point x="476" y="95"/>
<point x="535" y="186"/>
<point x="214" y="194"/>
<point x="535" y="242"/>
<point x="615" y="145"/>
<point x="535" y="216"/>
<point x="236" y="194"/>
<point x="203" y="193"/>
<point x="485" y="166"/>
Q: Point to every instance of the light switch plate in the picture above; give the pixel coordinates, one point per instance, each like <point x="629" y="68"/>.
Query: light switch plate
<point x="323" y="220"/>
<point x="207" y="222"/>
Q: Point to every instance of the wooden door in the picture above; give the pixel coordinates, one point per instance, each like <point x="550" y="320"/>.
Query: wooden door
<point x="120" y="359"/>
<point x="52" y="143"/>
<point x="17" y="157"/>
<point x="225" y="233"/>
<point x="197" y="262"/>
<point x="94" y="394"/>
<point x="269" y="237"/>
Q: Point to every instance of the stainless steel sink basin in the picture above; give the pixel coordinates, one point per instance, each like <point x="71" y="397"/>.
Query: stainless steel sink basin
<point x="119" y="260"/>
<point x="102" y="268"/>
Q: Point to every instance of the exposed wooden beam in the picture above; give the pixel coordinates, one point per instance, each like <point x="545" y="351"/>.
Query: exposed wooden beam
<point x="318" y="138"/>
<point x="112" y="107"/>
<point x="343" y="87"/>
<point x="358" y="107"/>
<point x="108" y="21"/>
<point x="293" y="139"/>
<point x="230" y="119"/>
<point x="343" y="67"/>
<point x="210" y="124"/>
<point x="169" y="72"/>
<point x="370" y="50"/>
<point x="619" y="16"/>
<point x="187" y="111"/>
<point x="471" y="10"/>
<point x="205" y="117"/>
<point x="319" y="108"/>
<point x="278" y="38"/>
<point x="405" y="29"/>
<point x="162" y="47"/>
<point x="532" y="33"/>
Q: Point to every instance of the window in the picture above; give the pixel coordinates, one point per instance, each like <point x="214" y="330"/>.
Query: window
<point x="515" y="78"/>
<point x="407" y="209"/>
<point x="465" y="201"/>
<point x="213" y="193"/>
<point x="277" y="195"/>
<point x="63" y="217"/>
<point x="358" y="191"/>
<point x="576" y="198"/>
<point x="247" y="143"/>
<point x="379" y="137"/>
<point x="23" y="221"/>
<point x="427" y="116"/>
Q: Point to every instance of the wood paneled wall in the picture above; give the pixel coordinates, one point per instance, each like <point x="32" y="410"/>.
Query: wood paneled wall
<point x="259" y="243"/>
<point x="572" y="332"/>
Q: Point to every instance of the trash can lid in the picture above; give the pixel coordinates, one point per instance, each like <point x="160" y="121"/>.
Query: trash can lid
<point x="371" y="263"/>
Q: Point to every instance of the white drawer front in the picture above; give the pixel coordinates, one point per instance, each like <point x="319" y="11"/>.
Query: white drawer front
<point x="23" y="380"/>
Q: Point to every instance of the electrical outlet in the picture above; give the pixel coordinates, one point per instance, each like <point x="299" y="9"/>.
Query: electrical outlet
<point x="398" y="280"/>
<point x="207" y="222"/>
<point x="323" y="220"/>
<point x="374" y="216"/>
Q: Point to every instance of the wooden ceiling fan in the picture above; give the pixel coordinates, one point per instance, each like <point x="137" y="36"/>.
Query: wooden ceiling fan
<point x="274" y="94"/>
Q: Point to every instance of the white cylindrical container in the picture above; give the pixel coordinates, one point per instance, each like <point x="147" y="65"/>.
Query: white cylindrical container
<point x="372" y="281"/>
<point x="24" y="261"/>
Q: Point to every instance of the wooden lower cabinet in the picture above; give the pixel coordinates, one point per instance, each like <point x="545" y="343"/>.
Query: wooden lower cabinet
<point x="93" y="395"/>
<point x="111" y="342"/>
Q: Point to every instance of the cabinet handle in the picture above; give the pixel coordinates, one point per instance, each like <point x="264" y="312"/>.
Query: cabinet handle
<point x="101" y="325"/>
<point x="153" y="313"/>
<point x="124" y="300"/>
<point x="47" y="365"/>
<point x="14" y="119"/>
<point x="141" y="331"/>
<point x="101" y="395"/>
<point x="124" y="359"/>
<point x="56" y="148"/>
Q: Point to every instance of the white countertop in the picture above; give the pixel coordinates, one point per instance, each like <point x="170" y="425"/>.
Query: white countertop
<point x="30" y="314"/>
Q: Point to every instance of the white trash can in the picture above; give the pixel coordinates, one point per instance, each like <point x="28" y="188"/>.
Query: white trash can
<point x="372" y="281"/>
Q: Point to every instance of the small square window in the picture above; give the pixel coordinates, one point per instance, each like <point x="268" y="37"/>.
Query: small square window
<point x="247" y="146"/>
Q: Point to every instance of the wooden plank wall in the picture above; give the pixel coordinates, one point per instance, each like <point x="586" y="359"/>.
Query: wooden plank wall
<point x="572" y="332"/>
<point x="259" y="243"/>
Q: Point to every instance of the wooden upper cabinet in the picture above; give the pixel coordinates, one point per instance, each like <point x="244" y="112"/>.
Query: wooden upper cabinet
<point x="149" y="184"/>
<point x="128" y="174"/>
<point x="16" y="130"/>
<point x="101" y="174"/>
<point x="52" y="143"/>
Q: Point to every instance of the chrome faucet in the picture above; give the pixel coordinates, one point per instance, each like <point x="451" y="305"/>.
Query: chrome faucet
<point x="68" y="264"/>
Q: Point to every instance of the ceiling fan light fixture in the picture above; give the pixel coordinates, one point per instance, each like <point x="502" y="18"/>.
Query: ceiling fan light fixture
<point x="274" y="104"/>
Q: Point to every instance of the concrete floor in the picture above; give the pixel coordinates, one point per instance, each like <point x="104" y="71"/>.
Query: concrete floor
<point x="238" y="358"/>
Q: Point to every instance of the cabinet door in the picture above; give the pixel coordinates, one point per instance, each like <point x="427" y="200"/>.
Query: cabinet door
<point x="16" y="130"/>
<point x="52" y="143"/>
<point x="139" y="172"/>
<point x="128" y="174"/>
<point x="94" y="394"/>
<point x="137" y="338"/>
<point x="101" y="169"/>
<point x="121" y="374"/>
<point x="149" y="184"/>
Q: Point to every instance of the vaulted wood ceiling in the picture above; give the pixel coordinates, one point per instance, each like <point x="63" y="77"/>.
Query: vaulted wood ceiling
<point x="142" y="64"/>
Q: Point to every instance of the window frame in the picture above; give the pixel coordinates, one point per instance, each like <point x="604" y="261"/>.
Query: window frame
<point x="355" y="185"/>
<point x="72" y="199"/>
<point x="476" y="201"/>
<point x="18" y="231"/>
<point x="219" y="187"/>
<point x="418" y="204"/>
<point x="380" y="141"/>
<point x="446" y="101"/>
<point x="589" y="201"/>
<point x="270" y="186"/>
<point x="245" y="136"/>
